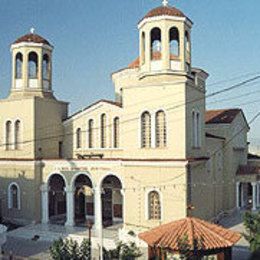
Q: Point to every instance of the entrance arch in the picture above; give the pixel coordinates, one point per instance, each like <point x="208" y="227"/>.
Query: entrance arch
<point x="83" y="199"/>
<point x="57" y="199"/>
<point x="112" y="200"/>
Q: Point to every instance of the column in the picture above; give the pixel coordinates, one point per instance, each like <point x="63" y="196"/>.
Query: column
<point x="253" y="195"/>
<point x="70" y="206"/>
<point x="237" y="194"/>
<point x="45" y="203"/>
<point x="242" y="195"/>
<point x="98" y="219"/>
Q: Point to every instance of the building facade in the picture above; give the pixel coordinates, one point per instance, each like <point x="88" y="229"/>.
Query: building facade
<point x="140" y="160"/>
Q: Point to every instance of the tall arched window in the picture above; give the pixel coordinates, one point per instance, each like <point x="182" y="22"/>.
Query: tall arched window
<point x="156" y="44"/>
<point x="17" y="134"/>
<point x="194" y="129"/>
<point x="160" y="121"/>
<point x="174" y="42"/>
<point x="154" y="205"/>
<point x="8" y="135"/>
<point x="143" y="48"/>
<point x="198" y="129"/>
<point x="33" y="65"/>
<point x="46" y="67"/>
<point x="18" y="65"/>
<point x="78" y="138"/>
<point x="90" y="133"/>
<point x="116" y="132"/>
<point x="146" y="130"/>
<point x="14" y="196"/>
<point x="103" y="134"/>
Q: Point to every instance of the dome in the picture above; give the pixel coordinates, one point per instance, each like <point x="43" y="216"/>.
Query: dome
<point x="32" y="38"/>
<point x="164" y="10"/>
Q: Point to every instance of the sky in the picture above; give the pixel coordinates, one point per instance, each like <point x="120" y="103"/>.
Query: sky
<point x="92" y="39"/>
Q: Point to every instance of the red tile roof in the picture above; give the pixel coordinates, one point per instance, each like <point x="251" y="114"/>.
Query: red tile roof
<point x="156" y="56"/>
<point x="248" y="170"/>
<point x="32" y="37"/>
<point x="164" y="10"/>
<point x="222" y="116"/>
<point x="210" y="235"/>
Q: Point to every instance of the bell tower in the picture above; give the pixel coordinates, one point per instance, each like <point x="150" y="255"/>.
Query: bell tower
<point x="165" y="45"/>
<point x="31" y="66"/>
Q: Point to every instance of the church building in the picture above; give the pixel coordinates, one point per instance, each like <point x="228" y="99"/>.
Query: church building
<point x="143" y="159"/>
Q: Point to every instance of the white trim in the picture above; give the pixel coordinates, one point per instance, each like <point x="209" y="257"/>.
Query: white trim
<point x="58" y="173"/>
<point x="87" y="174"/>
<point x="164" y="17"/>
<point x="10" y="198"/>
<point x="146" y="199"/>
<point x="31" y="44"/>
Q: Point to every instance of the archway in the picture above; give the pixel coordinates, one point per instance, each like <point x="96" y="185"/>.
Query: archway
<point x="83" y="200"/>
<point x="112" y="201"/>
<point x="57" y="199"/>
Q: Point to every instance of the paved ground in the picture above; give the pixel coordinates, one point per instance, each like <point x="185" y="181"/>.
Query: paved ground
<point x="39" y="249"/>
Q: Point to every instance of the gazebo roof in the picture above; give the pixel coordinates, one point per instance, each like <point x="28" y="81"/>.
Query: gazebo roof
<point x="211" y="236"/>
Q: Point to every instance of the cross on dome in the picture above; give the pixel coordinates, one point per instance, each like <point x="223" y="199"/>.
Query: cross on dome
<point x="165" y="2"/>
<point x="32" y="30"/>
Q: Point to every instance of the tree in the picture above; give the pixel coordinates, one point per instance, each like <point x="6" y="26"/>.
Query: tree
<point x="69" y="249"/>
<point x="123" y="252"/>
<point x="252" y="225"/>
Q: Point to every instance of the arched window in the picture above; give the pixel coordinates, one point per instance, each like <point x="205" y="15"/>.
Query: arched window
<point x="14" y="196"/>
<point x="17" y="134"/>
<point x="160" y="121"/>
<point x="198" y="129"/>
<point x="156" y="44"/>
<point x="194" y="130"/>
<point x="33" y="65"/>
<point x="146" y="130"/>
<point x="103" y="134"/>
<point x="174" y="42"/>
<point x="18" y="65"/>
<point x="143" y="47"/>
<point x="90" y="133"/>
<point x="8" y="135"/>
<point x="78" y="138"/>
<point x="46" y="67"/>
<point x="154" y="205"/>
<point x="116" y="132"/>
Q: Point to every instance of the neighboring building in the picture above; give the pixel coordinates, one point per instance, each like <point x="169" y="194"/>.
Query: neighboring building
<point x="146" y="156"/>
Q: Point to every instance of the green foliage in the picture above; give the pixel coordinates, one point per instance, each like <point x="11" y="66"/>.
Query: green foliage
<point x="69" y="249"/>
<point x="123" y="252"/>
<point x="252" y="225"/>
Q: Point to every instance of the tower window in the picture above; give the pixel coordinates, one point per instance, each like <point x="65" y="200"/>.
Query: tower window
<point x="103" y="131"/>
<point x="8" y="135"/>
<point x="33" y="65"/>
<point x="174" y="42"/>
<point x="78" y="138"/>
<point x="46" y="67"/>
<point x="196" y="129"/>
<point x="116" y="132"/>
<point x="154" y="205"/>
<point x="90" y="133"/>
<point x="143" y="48"/>
<point x="160" y="121"/>
<point x="17" y="134"/>
<point x="156" y="44"/>
<point x="18" y="65"/>
<point x="146" y="130"/>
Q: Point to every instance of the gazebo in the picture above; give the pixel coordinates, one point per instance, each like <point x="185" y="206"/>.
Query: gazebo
<point x="198" y="237"/>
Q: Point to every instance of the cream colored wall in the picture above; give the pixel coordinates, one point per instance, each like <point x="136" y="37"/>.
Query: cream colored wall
<point x="137" y="180"/>
<point x="81" y="121"/>
<point x="49" y="131"/>
<point x="23" y="173"/>
<point x="23" y="110"/>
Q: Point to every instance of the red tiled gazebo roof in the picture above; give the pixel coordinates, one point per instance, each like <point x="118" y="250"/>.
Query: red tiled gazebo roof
<point x="210" y="235"/>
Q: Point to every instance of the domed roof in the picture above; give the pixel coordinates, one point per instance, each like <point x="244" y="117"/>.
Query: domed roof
<point x="164" y="10"/>
<point x="33" y="38"/>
